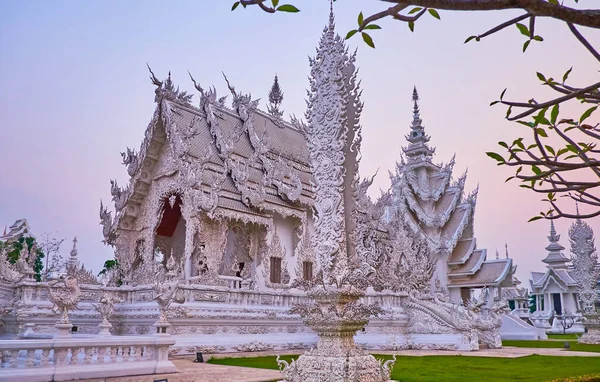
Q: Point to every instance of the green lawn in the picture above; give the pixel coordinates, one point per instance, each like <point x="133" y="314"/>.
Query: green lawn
<point x="553" y="344"/>
<point x="563" y="336"/>
<point x="463" y="369"/>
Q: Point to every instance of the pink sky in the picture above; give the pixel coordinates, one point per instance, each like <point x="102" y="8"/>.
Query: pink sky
<point x="75" y="92"/>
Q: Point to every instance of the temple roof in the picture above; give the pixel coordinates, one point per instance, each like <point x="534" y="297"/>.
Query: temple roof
<point x="491" y="273"/>
<point x="18" y="229"/>
<point x="555" y="258"/>
<point x="243" y="159"/>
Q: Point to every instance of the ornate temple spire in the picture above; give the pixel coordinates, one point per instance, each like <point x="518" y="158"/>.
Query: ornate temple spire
<point x="417" y="150"/>
<point x="497" y="255"/>
<point x="506" y="249"/>
<point x="275" y="99"/>
<point x="555" y="258"/>
<point x="73" y="258"/>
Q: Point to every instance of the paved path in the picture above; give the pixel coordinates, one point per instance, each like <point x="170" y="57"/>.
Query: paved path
<point x="203" y="372"/>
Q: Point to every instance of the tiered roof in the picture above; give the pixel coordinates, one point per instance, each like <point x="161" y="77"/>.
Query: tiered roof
<point x="19" y="229"/>
<point x="239" y="159"/>
<point x="557" y="264"/>
<point x="435" y="206"/>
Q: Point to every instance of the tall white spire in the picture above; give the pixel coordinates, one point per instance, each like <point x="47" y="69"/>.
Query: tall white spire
<point x="555" y="258"/>
<point x="418" y="149"/>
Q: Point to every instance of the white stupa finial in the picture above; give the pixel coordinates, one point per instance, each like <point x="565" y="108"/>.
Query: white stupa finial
<point x="497" y="254"/>
<point x="74" y="250"/>
<point x="506" y="248"/>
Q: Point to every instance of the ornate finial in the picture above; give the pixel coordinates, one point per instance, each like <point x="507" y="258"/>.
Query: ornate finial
<point x="74" y="250"/>
<point x="552" y="229"/>
<point x="506" y="248"/>
<point x="155" y="80"/>
<point x="577" y="208"/>
<point x="275" y="99"/>
<point x="418" y="149"/>
<point x="497" y="254"/>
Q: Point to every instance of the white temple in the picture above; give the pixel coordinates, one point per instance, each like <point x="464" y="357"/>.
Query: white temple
<point x="557" y="290"/>
<point x="218" y="246"/>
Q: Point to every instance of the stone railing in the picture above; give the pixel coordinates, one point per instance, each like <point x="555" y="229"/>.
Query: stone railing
<point x="81" y="358"/>
<point x="234" y="282"/>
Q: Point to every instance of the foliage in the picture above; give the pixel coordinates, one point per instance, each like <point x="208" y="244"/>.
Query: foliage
<point x="14" y="253"/>
<point x="112" y="266"/>
<point x="51" y="247"/>
<point x="568" y="169"/>
<point x="532" y="303"/>
<point x="461" y="368"/>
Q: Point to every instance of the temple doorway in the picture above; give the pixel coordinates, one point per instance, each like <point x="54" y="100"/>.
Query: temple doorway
<point x="557" y="303"/>
<point x="170" y="232"/>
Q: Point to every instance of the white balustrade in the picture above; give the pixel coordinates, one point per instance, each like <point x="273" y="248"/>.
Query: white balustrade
<point x="90" y="357"/>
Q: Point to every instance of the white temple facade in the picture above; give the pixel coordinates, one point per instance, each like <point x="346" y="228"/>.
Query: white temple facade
<point x="219" y="203"/>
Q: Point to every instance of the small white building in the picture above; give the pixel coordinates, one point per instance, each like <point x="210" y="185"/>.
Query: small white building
<point x="555" y="290"/>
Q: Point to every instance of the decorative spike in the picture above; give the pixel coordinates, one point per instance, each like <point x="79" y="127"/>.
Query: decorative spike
<point x="506" y="248"/>
<point x="497" y="254"/>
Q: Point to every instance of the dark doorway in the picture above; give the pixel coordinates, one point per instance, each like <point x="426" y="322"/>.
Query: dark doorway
<point x="557" y="304"/>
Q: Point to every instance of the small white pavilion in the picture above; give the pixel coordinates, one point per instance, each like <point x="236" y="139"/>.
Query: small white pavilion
<point x="555" y="290"/>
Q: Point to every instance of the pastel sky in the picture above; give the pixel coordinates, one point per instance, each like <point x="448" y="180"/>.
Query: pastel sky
<point x="74" y="92"/>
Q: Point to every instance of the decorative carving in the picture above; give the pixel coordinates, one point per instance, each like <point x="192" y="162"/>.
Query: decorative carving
<point x="278" y="252"/>
<point x="64" y="297"/>
<point x="254" y="346"/>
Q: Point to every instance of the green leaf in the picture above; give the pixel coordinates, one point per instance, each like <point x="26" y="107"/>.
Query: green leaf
<point x="523" y="29"/>
<point x="411" y="26"/>
<point x="561" y="152"/>
<point x="360" y="19"/>
<point x="566" y="75"/>
<point x="372" y="26"/>
<point x="526" y="45"/>
<point x="470" y="38"/>
<point x="534" y="219"/>
<point x="587" y="113"/>
<point x="493" y="103"/>
<point x="554" y="2"/>
<point x="541" y="132"/>
<point x="288" y="8"/>
<point x="550" y="149"/>
<point x="538" y="38"/>
<point x="503" y="144"/>
<point x="368" y="40"/>
<point x="275" y="3"/>
<point x="508" y="111"/>
<point x="509" y="178"/>
<point x="536" y="170"/>
<point x="495" y="156"/>
<point x="541" y="76"/>
<point x="351" y="33"/>
<point x="434" y="13"/>
<point x="554" y="114"/>
<point x="519" y="170"/>
<point x="235" y="5"/>
<point x="502" y="94"/>
<point x="414" y="10"/>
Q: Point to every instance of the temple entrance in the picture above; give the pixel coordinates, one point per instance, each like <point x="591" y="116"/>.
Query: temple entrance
<point x="170" y="233"/>
<point x="557" y="304"/>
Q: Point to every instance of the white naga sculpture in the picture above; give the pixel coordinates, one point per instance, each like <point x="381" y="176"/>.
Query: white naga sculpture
<point x="586" y="273"/>
<point x="334" y="142"/>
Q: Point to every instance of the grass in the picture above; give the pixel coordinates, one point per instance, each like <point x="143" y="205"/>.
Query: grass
<point x="462" y="369"/>
<point x="553" y="344"/>
<point x="572" y="336"/>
